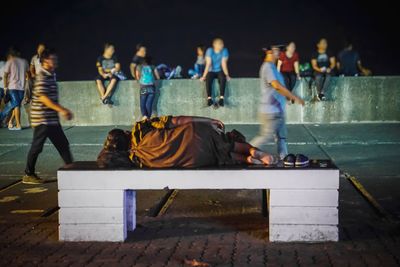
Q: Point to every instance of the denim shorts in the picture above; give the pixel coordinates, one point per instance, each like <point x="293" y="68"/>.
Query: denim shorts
<point x="16" y="97"/>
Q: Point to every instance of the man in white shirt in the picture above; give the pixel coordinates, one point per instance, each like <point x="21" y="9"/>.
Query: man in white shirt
<point x="16" y="73"/>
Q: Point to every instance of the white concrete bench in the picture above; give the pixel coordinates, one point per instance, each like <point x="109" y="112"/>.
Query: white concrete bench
<point x="100" y="205"/>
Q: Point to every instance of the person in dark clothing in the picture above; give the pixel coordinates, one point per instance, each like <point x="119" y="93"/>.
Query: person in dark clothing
<point x="180" y="142"/>
<point x="323" y="63"/>
<point x="107" y="67"/>
<point x="44" y="117"/>
<point x="138" y="59"/>
<point x="288" y="65"/>
<point x="349" y="62"/>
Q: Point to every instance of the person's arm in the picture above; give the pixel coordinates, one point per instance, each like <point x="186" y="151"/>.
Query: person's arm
<point x="117" y="67"/>
<point x="332" y="61"/>
<point x="279" y="65"/>
<point x="5" y="77"/>
<point x="285" y="92"/>
<point x="224" y="65"/>
<point x="338" y="65"/>
<point x="67" y="114"/>
<point x="207" y="68"/>
<point x="156" y="74"/>
<point x="32" y="70"/>
<point x="100" y="70"/>
<point x="137" y="76"/>
<point x="297" y="69"/>
<point x="314" y="65"/>
<point x="133" y="70"/>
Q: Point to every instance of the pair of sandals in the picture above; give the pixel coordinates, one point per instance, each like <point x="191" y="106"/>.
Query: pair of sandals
<point x="298" y="160"/>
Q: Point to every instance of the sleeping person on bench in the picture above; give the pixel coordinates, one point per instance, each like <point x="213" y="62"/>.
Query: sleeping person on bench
<point x="180" y="142"/>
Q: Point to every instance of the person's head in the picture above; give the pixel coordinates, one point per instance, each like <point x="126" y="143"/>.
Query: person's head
<point x="40" y="48"/>
<point x="109" y="49"/>
<point x="118" y="140"/>
<point x="200" y="50"/>
<point x="272" y="53"/>
<point x="218" y="44"/>
<point x="291" y="47"/>
<point x="13" y="51"/>
<point x="49" y="59"/>
<point x="348" y="44"/>
<point x="141" y="50"/>
<point x="322" y="44"/>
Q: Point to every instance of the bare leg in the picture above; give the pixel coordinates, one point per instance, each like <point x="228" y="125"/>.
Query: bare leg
<point x="100" y="88"/>
<point x="110" y="87"/>
<point x="10" y="121"/>
<point x="246" y="150"/>
<point x="17" y="116"/>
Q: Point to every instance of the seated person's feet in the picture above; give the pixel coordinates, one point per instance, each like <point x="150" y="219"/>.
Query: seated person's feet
<point x="108" y="101"/>
<point x="301" y="160"/>
<point x="322" y="97"/>
<point x="263" y="157"/>
<point x="221" y="102"/>
<point x="210" y="102"/>
<point x="289" y="160"/>
<point x="32" y="179"/>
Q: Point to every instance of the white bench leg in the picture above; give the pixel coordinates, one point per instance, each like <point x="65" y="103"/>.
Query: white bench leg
<point x="96" y="215"/>
<point x="303" y="215"/>
<point x="130" y="210"/>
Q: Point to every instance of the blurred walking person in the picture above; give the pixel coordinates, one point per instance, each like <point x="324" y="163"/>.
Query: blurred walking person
<point x="16" y="75"/>
<point x="273" y="103"/>
<point x="44" y="117"/>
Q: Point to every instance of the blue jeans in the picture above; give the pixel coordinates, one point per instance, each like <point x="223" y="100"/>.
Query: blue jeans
<point x="198" y="69"/>
<point x="273" y="127"/>
<point x="16" y="97"/>
<point x="146" y="104"/>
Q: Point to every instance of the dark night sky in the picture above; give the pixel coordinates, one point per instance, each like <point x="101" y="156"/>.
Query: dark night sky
<point x="172" y="28"/>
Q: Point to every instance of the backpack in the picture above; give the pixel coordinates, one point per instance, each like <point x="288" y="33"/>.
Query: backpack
<point x="146" y="75"/>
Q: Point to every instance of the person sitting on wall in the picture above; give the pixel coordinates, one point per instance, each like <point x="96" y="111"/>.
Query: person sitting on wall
<point x="200" y="64"/>
<point x="107" y="67"/>
<point x="216" y="68"/>
<point x="288" y="65"/>
<point x="181" y="141"/>
<point x="349" y="62"/>
<point x="323" y="63"/>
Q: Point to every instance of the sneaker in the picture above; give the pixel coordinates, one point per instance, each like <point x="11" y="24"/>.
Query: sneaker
<point x="32" y="179"/>
<point x="301" y="160"/>
<point x="289" y="160"/>
<point x="322" y="97"/>
<point x="221" y="102"/>
<point x="210" y="102"/>
<point x="15" y="129"/>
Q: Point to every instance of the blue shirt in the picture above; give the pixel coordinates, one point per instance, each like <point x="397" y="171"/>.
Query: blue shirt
<point x="216" y="58"/>
<point x="271" y="101"/>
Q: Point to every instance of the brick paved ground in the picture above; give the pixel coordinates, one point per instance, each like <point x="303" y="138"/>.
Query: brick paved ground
<point x="219" y="227"/>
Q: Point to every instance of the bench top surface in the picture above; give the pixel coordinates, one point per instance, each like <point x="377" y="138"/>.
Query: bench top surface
<point x="314" y="165"/>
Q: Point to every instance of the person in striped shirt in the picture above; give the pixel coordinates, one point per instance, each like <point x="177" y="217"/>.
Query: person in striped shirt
<point x="44" y="117"/>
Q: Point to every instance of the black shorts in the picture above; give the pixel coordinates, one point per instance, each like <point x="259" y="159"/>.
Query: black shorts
<point x="100" y="78"/>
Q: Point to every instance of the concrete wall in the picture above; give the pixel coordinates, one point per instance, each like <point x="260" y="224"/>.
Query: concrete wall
<point x="350" y="99"/>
